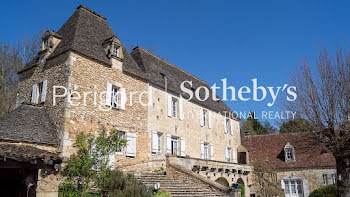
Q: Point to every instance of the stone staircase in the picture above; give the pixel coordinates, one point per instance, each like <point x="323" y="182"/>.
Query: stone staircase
<point x="177" y="188"/>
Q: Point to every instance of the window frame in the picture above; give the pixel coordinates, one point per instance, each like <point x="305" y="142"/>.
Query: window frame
<point x="115" y="103"/>
<point x="160" y="142"/>
<point x="174" y="107"/>
<point x="228" y="125"/>
<point x="122" y="149"/>
<point x="325" y="179"/>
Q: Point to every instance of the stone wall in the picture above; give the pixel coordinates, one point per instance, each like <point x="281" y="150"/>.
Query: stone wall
<point x="88" y="75"/>
<point x="313" y="177"/>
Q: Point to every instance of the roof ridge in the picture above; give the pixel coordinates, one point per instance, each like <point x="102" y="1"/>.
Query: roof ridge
<point x="294" y="133"/>
<point x="91" y="11"/>
<point x="170" y="64"/>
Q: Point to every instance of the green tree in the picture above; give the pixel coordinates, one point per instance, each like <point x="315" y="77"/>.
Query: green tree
<point x="89" y="168"/>
<point x="253" y="126"/>
<point x="295" y="125"/>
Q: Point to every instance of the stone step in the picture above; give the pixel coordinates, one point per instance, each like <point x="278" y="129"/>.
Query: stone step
<point x="177" y="188"/>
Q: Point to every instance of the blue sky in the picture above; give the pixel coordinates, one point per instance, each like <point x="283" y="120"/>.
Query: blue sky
<point x="237" y="40"/>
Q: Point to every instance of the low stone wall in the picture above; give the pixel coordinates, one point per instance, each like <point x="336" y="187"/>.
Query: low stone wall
<point x="178" y="172"/>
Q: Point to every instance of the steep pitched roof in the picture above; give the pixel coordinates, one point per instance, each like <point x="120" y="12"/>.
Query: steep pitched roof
<point x="28" y="124"/>
<point x="84" y="32"/>
<point x="157" y="69"/>
<point x="308" y="152"/>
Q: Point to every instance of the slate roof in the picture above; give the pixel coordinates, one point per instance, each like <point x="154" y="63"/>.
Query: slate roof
<point x="156" y="69"/>
<point x="308" y="152"/>
<point x="28" y="123"/>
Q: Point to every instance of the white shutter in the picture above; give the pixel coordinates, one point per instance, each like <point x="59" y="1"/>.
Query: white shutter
<point x="225" y="126"/>
<point x="181" y="109"/>
<point x="168" y="143"/>
<point x="211" y="152"/>
<point x="131" y="144"/>
<point x="183" y="147"/>
<point x="234" y="155"/>
<point x="43" y="94"/>
<point x="202" y="150"/>
<point x="108" y="94"/>
<point x="169" y="105"/>
<point x="34" y="92"/>
<point x="231" y="126"/>
<point x="209" y="119"/>
<point x="111" y="161"/>
<point x="201" y="117"/>
<point x="226" y="153"/>
<point x="122" y="98"/>
<point x="154" y="141"/>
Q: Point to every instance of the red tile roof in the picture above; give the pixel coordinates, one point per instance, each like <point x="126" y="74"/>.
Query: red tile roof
<point x="308" y="152"/>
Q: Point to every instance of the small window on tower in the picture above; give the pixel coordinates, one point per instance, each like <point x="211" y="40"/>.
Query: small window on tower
<point x="115" y="50"/>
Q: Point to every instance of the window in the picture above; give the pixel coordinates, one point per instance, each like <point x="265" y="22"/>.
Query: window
<point x="228" y="125"/>
<point x="228" y="154"/>
<point x="39" y="92"/>
<point x="334" y="179"/>
<point x="293" y="187"/>
<point x="174" y="145"/>
<point x="274" y="178"/>
<point x="159" y="139"/>
<point x="46" y="44"/>
<point x="289" y="154"/>
<point x="174" y="106"/>
<point x="325" y="179"/>
<point x="121" y="135"/>
<point x="114" y="96"/>
<point x="115" y="50"/>
<point x="206" y="151"/>
<point x="205" y="115"/>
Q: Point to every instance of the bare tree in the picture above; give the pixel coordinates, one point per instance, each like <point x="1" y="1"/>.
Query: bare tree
<point x="262" y="175"/>
<point x="323" y="100"/>
<point x="12" y="58"/>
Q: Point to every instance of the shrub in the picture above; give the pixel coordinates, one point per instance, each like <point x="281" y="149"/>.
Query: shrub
<point x="327" y="191"/>
<point x="162" y="193"/>
<point x="241" y="186"/>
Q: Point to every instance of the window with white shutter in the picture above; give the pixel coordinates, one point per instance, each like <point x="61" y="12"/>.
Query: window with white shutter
<point x="111" y="161"/>
<point x="183" y="147"/>
<point x="226" y="123"/>
<point x="156" y="142"/>
<point x="211" y="152"/>
<point x="201" y="119"/>
<point x="168" y="144"/>
<point x="231" y="126"/>
<point x="170" y="106"/>
<point x="181" y="113"/>
<point x="131" y="144"/>
<point x="39" y="92"/>
<point x="202" y="150"/>
<point x="234" y="155"/>
<point x="43" y="92"/>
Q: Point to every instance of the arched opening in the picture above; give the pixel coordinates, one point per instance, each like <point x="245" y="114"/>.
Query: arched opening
<point x="222" y="181"/>
<point x="240" y="183"/>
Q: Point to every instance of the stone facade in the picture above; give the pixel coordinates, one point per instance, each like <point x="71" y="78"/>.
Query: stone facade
<point x="189" y="126"/>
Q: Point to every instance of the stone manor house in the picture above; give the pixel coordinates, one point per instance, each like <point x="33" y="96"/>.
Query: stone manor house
<point x="196" y="142"/>
<point x="300" y="164"/>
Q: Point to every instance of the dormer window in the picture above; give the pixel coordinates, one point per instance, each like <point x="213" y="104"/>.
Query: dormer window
<point x="113" y="49"/>
<point x="46" y="44"/>
<point x="50" y="40"/>
<point x="289" y="153"/>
